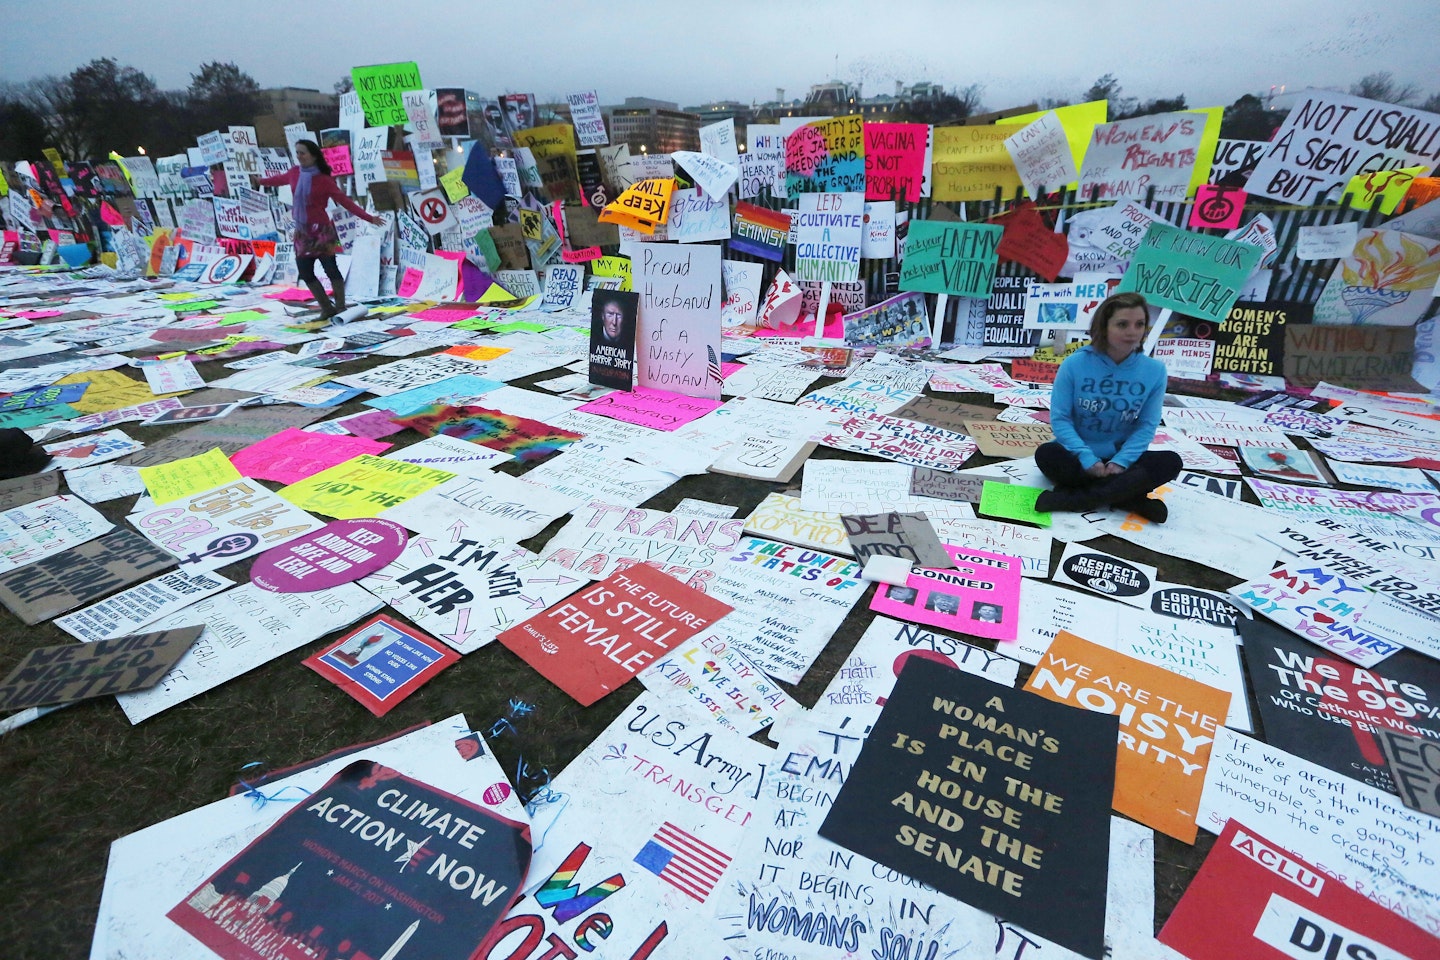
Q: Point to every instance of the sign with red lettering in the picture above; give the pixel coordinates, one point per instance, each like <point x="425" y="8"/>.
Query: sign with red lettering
<point x="595" y="641"/>
<point x="1254" y="899"/>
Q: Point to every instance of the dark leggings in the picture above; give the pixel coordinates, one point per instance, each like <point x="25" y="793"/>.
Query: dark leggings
<point x="1158" y="467"/>
<point x="305" y="267"/>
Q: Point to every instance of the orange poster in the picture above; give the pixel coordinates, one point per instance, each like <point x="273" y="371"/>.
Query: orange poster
<point x="1167" y="723"/>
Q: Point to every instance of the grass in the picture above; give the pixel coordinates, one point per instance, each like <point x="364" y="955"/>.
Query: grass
<point x="79" y="778"/>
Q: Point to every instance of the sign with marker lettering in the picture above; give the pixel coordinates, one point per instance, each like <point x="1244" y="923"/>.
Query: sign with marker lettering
<point x="600" y="638"/>
<point x="954" y="258"/>
<point x="678" y="334"/>
<point x="996" y="797"/>
<point x="1197" y="275"/>
<point x="380" y="88"/>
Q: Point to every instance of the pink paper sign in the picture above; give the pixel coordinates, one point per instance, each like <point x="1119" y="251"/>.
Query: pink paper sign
<point x="339" y="160"/>
<point x="292" y="455"/>
<point x="342" y="551"/>
<point x="980" y="597"/>
<point x="410" y="282"/>
<point x="656" y="409"/>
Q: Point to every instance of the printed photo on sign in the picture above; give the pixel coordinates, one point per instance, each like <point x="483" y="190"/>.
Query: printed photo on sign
<point x="382" y="662"/>
<point x="612" y="338"/>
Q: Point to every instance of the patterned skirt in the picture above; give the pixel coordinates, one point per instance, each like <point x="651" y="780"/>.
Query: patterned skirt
<point x="315" y="240"/>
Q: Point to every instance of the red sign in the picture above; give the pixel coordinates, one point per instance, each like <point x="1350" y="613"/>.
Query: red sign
<point x="594" y="641"/>
<point x="1256" y="900"/>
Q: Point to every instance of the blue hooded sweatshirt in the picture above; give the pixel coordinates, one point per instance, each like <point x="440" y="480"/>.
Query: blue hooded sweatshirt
<point x="1103" y="410"/>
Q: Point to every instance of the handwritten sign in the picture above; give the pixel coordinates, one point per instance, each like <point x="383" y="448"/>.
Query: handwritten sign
<point x="678" y="337"/>
<point x="380" y="87"/>
<point x="972" y="163"/>
<point x="1042" y="155"/>
<point x="1328" y="138"/>
<point x="826" y="156"/>
<point x="1197" y="275"/>
<point x="1128" y="158"/>
<point x="894" y="160"/>
<point x="954" y="258"/>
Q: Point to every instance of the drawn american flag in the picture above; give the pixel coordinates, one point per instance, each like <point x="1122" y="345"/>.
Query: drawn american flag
<point x="687" y="863"/>
<point x="713" y="368"/>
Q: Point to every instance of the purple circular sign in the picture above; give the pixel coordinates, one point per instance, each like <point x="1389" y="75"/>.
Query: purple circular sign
<point x="342" y="551"/>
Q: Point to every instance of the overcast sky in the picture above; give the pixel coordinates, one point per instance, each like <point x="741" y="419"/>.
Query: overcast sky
<point x="1018" y="50"/>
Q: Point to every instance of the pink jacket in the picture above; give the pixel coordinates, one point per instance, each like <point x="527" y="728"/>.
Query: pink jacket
<point x="322" y="190"/>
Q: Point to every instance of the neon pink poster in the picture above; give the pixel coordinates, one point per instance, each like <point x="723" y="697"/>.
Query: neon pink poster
<point x="980" y="597"/>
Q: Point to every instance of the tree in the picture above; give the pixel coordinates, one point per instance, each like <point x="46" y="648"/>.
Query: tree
<point x="1384" y="86"/>
<point x="344" y="85"/>
<point x="1247" y="119"/>
<point x="97" y="108"/>
<point x="1108" y="88"/>
<point x="23" y="131"/>
<point x="1160" y="105"/>
<point x="1432" y="104"/>
<point x="221" y="94"/>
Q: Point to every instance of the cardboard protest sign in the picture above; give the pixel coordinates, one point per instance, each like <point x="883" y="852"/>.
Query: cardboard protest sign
<point x="1414" y="765"/>
<point x="1167" y="723"/>
<point x="1332" y="712"/>
<point x="1012" y="440"/>
<point x="612" y="338"/>
<point x="1298" y="806"/>
<point x="1253" y="898"/>
<point x="380" y="87"/>
<point x="1330" y="137"/>
<point x="465" y="592"/>
<point x="595" y="642"/>
<point x="362" y="487"/>
<point x="972" y="163"/>
<point x="63" y="674"/>
<point x="40" y="528"/>
<point x="63" y="581"/>
<point x="339" y="552"/>
<point x="18" y="491"/>
<point x="381" y="663"/>
<point x="905" y="535"/>
<point x="1048" y="809"/>
<point x="1197" y="275"/>
<point x="953" y="258"/>
<point x="303" y="883"/>
<point x="979" y="597"/>
<point x="780" y="517"/>
<point x="218" y="526"/>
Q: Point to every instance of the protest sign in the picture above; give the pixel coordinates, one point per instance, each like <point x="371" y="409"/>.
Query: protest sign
<point x="678" y="332"/>
<point x="129" y="610"/>
<point x="381" y="663"/>
<point x="18" y="491"/>
<point x="1329" y="137"/>
<point x="63" y="674"/>
<point x="1042" y="156"/>
<point x="40" y="528"/>
<point x="828" y="229"/>
<point x="780" y="517"/>
<point x="1064" y="306"/>
<point x="893" y="534"/>
<point x="63" y="581"/>
<point x="1013" y="440"/>
<point x="1167" y="723"/>
<point x="449" y="901"/>
<point x="92" y="449"/>
<point x="826" y="156"/>
<point x="1251" y="337"/>
<point x="894" y="160"/>
<point x="167" y="482"/>
<point x="716" y="676"/>
<point x="339" y="552"/>
<point x="1011" y="501"/>
<point x="1415" y="767"/>
<point x="244" y="628"/>
<point x="972" y="163"/>
<point x="501" y="504"/>
<point x="520" y="437"/>
<point x="596" y="641"/>
<point x="454" y="390"/>
<point x="953" y="258"/>
<point x="362" y="487"/>
<point x="656" y="409"/>
<point x="1325" y="608"/>
<point x="380" y="88"/>
<point x="1116" y="577"/>
<point x="1051" y="820"/>
<point x="601" y="538"/>
<point x="612" y="339"/>
<point x="172" y="376"/>
<point x="1318" y="815"/>
<point x="1129" y="158"/>
<point x="979" y="597"/>
<point x="904" y="441"/>
<point x="585" y="115"/>
<point x="1332" y="712"/>
<point x="642" y="207"/>
<point x="1192" y="274"/>
<point x="1252" y="897"/>
<point x="218" y="526"/>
